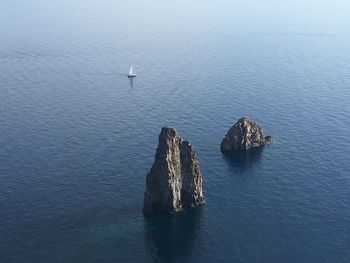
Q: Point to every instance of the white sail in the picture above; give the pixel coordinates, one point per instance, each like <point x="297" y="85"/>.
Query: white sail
<point x="131" y="72"/>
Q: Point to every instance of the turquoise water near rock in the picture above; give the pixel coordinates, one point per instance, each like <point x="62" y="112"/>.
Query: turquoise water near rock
<point x="77" y="138"/>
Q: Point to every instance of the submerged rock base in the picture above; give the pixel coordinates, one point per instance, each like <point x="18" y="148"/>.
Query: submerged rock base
<point x="175" y="179"/>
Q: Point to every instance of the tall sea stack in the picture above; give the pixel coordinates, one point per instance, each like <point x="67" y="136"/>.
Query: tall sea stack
<point x="244" y="135"/>
<point x="175" y="179"/>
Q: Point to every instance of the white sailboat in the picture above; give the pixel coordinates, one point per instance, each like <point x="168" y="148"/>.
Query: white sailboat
<point x="132" y="73"/>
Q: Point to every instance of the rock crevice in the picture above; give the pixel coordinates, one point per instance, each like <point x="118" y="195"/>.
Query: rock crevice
<point x="175" y="179"/>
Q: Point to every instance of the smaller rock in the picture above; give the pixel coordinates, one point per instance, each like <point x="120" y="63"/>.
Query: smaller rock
<point x="268" y="140"/>
<point x="244" y="135"/>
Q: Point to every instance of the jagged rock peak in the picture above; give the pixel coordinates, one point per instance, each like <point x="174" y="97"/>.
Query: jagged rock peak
<point x="175" y="179"/>
<point x="244" y="135"/>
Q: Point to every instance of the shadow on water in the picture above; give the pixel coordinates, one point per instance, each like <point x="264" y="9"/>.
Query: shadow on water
<point x="131" y="80"/>
<point x="171" y="238"/>
<point x="243" y="159"/>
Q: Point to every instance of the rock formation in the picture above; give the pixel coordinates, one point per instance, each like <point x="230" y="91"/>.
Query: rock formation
<point x="244" y="135"/>
<point x="175" y="179"/>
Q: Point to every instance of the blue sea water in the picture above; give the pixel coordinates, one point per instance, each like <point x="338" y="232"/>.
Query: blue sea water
<point x="77" y="138"/>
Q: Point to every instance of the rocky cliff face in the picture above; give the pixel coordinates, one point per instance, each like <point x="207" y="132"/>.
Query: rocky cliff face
<point x="242" y="136"/>
<point x="175" y="179"/>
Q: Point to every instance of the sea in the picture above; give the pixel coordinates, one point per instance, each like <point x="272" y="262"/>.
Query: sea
<point x="77" y="137"/>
